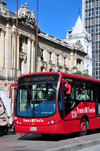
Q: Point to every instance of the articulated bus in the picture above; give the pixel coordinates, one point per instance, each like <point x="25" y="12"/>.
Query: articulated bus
<point x="56" y="103"/>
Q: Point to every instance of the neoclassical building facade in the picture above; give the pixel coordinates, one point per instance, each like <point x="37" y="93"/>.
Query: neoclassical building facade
<point x="53" y="54"/>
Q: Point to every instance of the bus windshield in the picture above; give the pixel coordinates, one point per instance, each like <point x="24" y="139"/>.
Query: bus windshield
<point x="36" y="99"/>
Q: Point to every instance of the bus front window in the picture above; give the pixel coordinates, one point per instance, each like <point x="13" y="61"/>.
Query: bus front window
<point x="36" y="100"/>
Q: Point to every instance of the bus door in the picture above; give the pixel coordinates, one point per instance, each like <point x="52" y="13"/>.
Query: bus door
<point x="69" y="105"/>
<point x="97" y="104"/>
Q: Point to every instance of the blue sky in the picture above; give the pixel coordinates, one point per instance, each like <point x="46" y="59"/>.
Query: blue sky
<point x="55" y="17"/>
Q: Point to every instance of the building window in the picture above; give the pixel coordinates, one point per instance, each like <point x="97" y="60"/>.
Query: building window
<point x="92" y="13"/>
<point x="64" y="61"/>
<point x="89" y="30"/>
<point x="96" y="21"/>
<point x="92" y="21"/>
<point x="89" y="5"/>
<point x="92" y="30"/>
<point x="89" y="13"/>
<point x="96" y="12"/>
<point x="86" y="6"/>
<point x="96" y="29"/>
<point x="96" y="51"/>
<point x="96" y="46"/>
<point x="96" y="38"/>
<point x="92" y="4"/>
<point x="96" y="72"/>
<point x="42" y="54"/>
<point x="92" y="38"/>
<point x="92" y="46"/>
<point x="96" y="3"/>
<point x="50" y="54"/>
<point x="20" y="44"/>
<point x="42" y="69"/>
<point x="86" y="14"/>
<point x="57" y="59"/>
<point x="78" y="61"/>
<point x="20" y="65"/>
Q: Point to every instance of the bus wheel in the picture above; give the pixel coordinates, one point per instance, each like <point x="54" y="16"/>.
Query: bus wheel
<point x="83" y="127"/>
<point x="45" y="135"/>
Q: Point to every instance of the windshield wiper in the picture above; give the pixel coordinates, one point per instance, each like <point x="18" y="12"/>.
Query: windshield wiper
<point x="28" y="89"/>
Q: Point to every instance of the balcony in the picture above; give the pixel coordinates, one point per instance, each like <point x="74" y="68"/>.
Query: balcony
<point x="43" y="63"/>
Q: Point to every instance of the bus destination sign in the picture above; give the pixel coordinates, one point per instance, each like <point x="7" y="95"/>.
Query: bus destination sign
<point x="38" y="78"/>
<point x="30" y="79"/>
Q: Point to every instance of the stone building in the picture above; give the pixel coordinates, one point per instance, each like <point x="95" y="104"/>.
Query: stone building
<point x="53" y="54"/>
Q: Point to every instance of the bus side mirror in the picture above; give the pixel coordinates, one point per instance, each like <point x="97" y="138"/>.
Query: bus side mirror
<point x="10" y="90"/>
<point x="10" y="93"/>
<point x="68" y="87"/>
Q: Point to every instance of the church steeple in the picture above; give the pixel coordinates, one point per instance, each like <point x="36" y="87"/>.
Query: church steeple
<point x="78" y="28"/>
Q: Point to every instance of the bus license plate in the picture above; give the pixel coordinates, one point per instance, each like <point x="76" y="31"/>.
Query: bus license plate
<point x="33" y="128"/>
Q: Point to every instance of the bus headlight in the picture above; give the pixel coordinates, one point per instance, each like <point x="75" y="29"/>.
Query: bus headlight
<point x="53" y="121"/>
<point x="48" y="122"/>
<point x="19" y="122"/>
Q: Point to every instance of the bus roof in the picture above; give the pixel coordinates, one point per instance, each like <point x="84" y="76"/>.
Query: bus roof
<point x="62" y="74"/>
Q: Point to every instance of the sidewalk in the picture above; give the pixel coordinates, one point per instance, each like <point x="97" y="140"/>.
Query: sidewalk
<point x="78" y="143"/>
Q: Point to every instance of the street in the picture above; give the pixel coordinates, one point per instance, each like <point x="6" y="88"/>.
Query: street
<point x="36" y="142"/>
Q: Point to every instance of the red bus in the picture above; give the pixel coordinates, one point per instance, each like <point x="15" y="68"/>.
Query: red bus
<point x="56" y="103"/>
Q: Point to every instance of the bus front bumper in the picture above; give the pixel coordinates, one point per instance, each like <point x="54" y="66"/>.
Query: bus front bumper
<point x="49" y="129"/>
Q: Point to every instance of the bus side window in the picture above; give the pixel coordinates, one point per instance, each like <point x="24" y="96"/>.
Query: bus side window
<point x="80" y="90"/>
<point x="89" y="91"/>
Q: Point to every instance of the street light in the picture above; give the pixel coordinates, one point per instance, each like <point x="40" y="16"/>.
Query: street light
<point x="16" y="44"/>
<point x="36" y="56"/>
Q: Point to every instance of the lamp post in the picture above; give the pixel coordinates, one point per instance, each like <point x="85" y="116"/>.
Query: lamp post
<point x="16" y="44"/>
<point x="36" y="56"/>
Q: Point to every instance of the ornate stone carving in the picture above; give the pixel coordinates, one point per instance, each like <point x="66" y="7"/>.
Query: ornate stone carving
<point x="23" y="56"/>
<point x="5" y="12"/>
<point x="25" y="16"/>
<point x="78" y="46"/>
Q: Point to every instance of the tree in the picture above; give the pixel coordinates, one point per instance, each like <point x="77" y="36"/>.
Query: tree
<point x="85" y="74"/>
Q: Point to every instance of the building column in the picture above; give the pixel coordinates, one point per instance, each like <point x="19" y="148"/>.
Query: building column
<point x="23" y="67"/>
<point x="8" y="50"/>
<point x="13" y="50"/>
<point x="71" y="60"/>
<point x="75" y="62"/>
<point x="18" y="35"/>
<point x="28" y="55"/>
<point x="2" y="48"/>
<point x="32" y="57"/>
